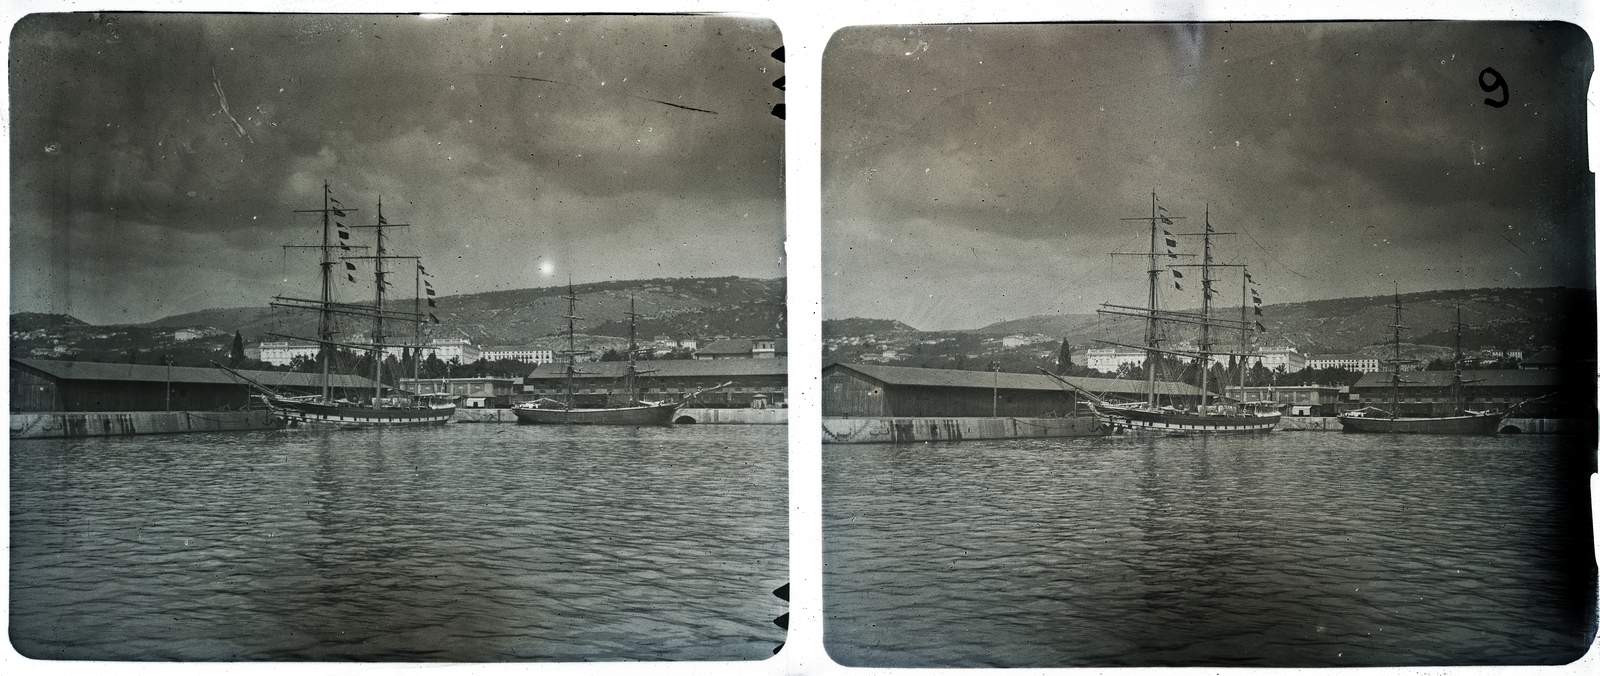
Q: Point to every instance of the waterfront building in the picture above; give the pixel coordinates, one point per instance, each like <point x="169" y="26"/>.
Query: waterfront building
<point x="1295" y="400"/>
<point x="1546" y="359"/>
<point x="527" y="355"/>
<point x="41" y="385"/>
<point x="470" y="392"/>
<point x="1427" y="393"/>
<point x="283" y="352"/>
<point x="871" y="390"/>
<point x="601" y="383"/>
<point x="1348" y="362"/>
<point x="743" y="348"/>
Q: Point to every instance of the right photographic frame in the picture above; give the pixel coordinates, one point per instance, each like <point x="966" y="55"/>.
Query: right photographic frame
<point x="1207" y="344"/>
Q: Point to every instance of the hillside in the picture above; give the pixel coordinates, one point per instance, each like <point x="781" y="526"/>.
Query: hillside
<point x="673" y="307"/>
<point x="24" y="322"/>
<point x="676" y="308"/>
<point x="857" y="326"/>
<point x="1507" y="319"/>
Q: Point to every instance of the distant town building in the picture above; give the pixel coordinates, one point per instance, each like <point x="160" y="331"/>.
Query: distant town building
<point x="282" y="353"/>
<point x="1018" y="341"/>
<point x="1348" y="362"/>
<point x="182" y="335"/>
<point x="526" y="355"/>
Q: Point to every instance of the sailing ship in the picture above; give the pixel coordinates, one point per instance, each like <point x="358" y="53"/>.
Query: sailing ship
<point x="1460" y="421"/>
<point x="323" y="409"/>
<point x="566" y="412"/>
<point x="1150" y="416"/>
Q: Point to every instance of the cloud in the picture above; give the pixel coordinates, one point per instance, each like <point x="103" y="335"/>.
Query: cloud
<point x="419" y="112"/>
<point x="1297" y="135"/>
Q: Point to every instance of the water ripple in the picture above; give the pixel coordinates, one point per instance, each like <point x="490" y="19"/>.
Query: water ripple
<point x="1287" y="550"/>
<point x="460" y="543"/>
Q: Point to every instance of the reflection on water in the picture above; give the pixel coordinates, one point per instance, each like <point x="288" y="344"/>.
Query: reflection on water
<point x="1303" y="549"/>
<point x="459" y="543"/>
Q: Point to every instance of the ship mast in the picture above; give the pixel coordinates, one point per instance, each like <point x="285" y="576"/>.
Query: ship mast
<point x="1455" y="381"/>
<point x="1244" y="330"/>
<point x="1394" y="379"/>
<point x="633" y="351"/>
<point x="379" y="282"/>
<point x="1205" y="353"/>
<point x="572" y="343"/>
<point x="325" y="309"/>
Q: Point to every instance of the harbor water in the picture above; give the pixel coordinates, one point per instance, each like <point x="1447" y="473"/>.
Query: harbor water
<point x="1275" y="550"/>
<point x="449" y="543"/>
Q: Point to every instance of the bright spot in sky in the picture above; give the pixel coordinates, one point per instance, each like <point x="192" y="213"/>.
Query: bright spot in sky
<point x="547" y="268"/>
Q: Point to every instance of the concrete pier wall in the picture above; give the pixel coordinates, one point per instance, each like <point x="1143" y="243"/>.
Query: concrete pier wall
<point x="906" y="430"/>
<point x="697" y="416"/>
<point x="57" y="425"/>
<point x="483" y="415"/>
<point x="735" y="416"/>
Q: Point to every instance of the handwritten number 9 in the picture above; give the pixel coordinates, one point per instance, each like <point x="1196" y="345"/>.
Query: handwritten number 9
<point x="1498" y="83"/>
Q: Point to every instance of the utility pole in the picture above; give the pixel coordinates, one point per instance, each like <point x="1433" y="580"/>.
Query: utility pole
<point x="994" y="409"/>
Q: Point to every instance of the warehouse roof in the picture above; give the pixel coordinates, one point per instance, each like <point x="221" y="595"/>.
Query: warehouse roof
<point x="670" y="368"/>
<point x="907" y="375"/>
<point x="89" y="370"/>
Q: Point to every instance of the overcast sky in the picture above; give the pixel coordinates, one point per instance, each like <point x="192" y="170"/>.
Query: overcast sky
<point x="157" y="159"/>
<point x="973" y="174"/>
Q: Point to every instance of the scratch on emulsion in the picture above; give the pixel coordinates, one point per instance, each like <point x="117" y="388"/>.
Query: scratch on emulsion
<point x="216" y="83"/>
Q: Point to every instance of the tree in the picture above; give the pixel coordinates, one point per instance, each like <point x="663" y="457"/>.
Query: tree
<point x="1064" y="358"/>
<point x="236" y="356"/>
<point x="433" y="367"/>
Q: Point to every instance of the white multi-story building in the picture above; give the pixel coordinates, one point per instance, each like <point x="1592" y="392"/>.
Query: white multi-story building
<point x="460" y="349"/>
<point x="282" y="353"/>
<point x="1348" y="362"/>
<point x="526" y="355"/>
<point x="1273" y="357"/>
<point x="1109" y="359"/>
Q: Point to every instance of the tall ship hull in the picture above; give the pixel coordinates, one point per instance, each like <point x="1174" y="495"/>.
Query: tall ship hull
<point x="1141" y="420"/>
<point x="312" y="414"/>
<point x="1481" y="423"/>
<point x="648" y="414"/>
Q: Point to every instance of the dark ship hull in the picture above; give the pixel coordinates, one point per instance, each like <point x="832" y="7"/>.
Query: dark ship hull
<point x="645" y="414"/>
<point x="1476" y="423"/>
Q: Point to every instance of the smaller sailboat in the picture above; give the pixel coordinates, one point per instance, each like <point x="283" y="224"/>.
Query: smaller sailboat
<point x="1461" y="420"/>
<point x="633" y="412"/>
